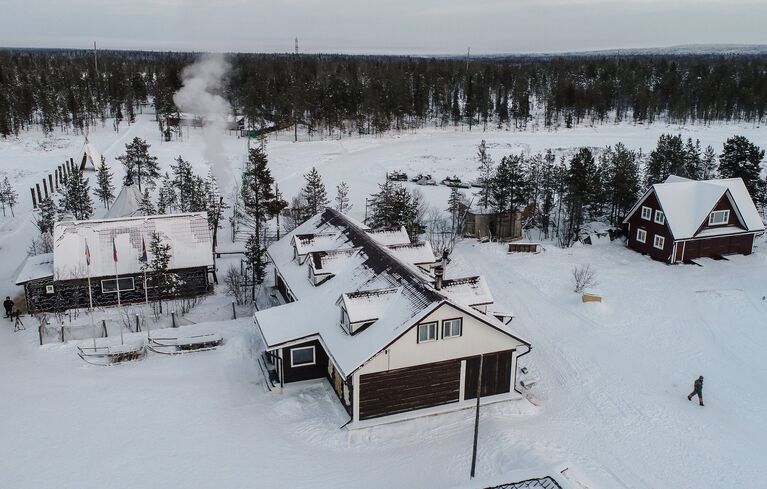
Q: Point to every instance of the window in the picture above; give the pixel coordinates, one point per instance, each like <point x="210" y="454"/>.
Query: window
<point x="718" y="217"/>
<point x="452" y="327"/>
<point x="49" y="289"/>
<point x="646" y="212"/>
<point x="641" y="235"/>
<point x="659" y="242"/>
<point x="302" y="357"/>
<point x="109" y="286"/>
<point x="427" y="332"/>
<point x="660" y="218"/>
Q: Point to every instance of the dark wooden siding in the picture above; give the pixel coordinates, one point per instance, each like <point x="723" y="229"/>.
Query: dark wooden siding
<point x="652" y="228"/>
<point x="407" y="389"/>
<point x="72" y="294"/>
<point x="306" y="372"/>
<point x="725" y="245"/>
<point x="496" y="374"/>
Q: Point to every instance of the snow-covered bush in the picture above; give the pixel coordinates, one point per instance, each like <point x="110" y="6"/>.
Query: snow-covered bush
<point x="584" y="277"/>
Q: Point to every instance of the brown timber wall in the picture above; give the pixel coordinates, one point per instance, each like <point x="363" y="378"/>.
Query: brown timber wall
<point x="652" y="228"/>
<point x="407" y="389"/>
<point x="496" y="374"/>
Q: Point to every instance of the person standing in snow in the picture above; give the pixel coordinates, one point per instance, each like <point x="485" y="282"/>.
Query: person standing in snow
<point x="8" y="305"/>
<point x="697" y="390"/>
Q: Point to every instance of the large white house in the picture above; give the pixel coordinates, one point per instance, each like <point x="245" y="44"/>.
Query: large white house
<point x="370" y="312"/>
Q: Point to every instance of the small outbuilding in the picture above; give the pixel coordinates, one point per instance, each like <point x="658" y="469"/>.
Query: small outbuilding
<point x="681" y="220"/>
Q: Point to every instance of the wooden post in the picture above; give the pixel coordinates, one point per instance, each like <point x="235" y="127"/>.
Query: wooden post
<point x="173" y="319"/>
<point x="45" y="187"/>
<point x="104" y="327"/>
<point x="34" y="199"/>
<point x="72" y="162"/>
<point x="40" y="333"/>
<point x="56" y="174"/>
<point x="39" y="194"/>
<point x="50" y="182"/>
<point x="62" y="333"/>
<point x="476" y="418"/>
<point x="138" y="324"/>
<point x="234" y="311"/>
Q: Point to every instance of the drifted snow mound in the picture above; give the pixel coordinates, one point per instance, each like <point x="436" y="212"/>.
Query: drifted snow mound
<point x="126" y="204"/>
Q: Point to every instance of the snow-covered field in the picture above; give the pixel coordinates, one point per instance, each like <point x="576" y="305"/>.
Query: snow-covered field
<point x="610" y="403"/>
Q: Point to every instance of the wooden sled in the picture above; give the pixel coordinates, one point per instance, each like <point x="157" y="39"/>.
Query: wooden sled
<point x="105" y="356"/>
<point x="189" y="344"/>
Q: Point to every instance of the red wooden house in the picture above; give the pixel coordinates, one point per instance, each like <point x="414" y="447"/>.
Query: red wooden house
<point x="682" y="219"/>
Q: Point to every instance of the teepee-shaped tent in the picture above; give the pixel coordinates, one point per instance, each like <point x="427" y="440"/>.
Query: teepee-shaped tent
<point x="126" y="204"/>
<point x="89" y="156"/>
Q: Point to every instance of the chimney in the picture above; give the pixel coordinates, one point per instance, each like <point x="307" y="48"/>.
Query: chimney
<point x="438" y="273"/>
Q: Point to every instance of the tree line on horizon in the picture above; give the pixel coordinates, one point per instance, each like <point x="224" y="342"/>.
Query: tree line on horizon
<point x="61" y="89"/>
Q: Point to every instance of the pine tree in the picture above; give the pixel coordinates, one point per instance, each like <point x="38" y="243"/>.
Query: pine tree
<point x="741" y="158"/>
<point x="157" y="267"/>
<point x="622" y="181"/>
<point x="709" y="163"/>
<point x="457" y="206"/>
<point x="183" y="183"/>
<point x="167" y="198"/>
<point x="580" y="190"/>
<point x="46" y="218"/>
<point x="105" y="191"/>
<point x="259" y="204"/>
<point x="314" y="193"/>
<point x="140" y="166"/>
<point x="485" y="194"/>
<point x="394" y="206"/>
<point x="8" y="196"/>
<point x="548" y="190"/>
<point x="146" y="207"/>
<point x="75" y="197"/>
<point x="214" y="206"/>
<point x="509" y="187"/>
<point x="668" y="158"/>
<point x="693" y="164"/>
<point x="342" y="198"/>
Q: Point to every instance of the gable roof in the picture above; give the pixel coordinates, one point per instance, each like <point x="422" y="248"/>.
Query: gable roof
<point x="373" y="284"/>
<point x="687" y="203"/>
<point x="126" y="204"/>
<point x="187" y="234"/>
<point x="35" y="267"/>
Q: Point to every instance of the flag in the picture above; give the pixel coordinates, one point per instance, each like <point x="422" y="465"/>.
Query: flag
<point x="143" y="257"/>
<point x="87" y="254"/>
<point x="114" y="251"/>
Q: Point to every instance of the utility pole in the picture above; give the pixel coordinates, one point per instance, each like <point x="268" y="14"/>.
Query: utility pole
<point x="476" y="418"/>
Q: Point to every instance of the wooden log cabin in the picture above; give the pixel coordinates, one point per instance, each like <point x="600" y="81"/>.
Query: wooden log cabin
<point x="390" y="338"/>
<point x="680" y="220"/>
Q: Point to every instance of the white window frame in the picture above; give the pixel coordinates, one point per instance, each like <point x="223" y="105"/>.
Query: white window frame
<point x="430" y="338"/>
<point x="649" y="213"/>
<point x="306" y="364"/>
<point x="49" y="289"/>
<point x="725" y="213"/>
<point x="117" y="285"/>
<point x="643" y="239"/>
<point x="451" y="324"/>
<point x="660" y="217"/>
<point x="662" y="242"/>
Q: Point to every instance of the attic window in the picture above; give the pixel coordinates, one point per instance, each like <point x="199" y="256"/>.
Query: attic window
<point x="646" y="213"/>
<point x="660" y="218"/>
<point x="719" y="217"/>
<point x="427" y="332"/>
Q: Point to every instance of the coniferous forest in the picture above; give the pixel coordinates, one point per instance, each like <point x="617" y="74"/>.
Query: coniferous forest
<point x="66" y="89"/>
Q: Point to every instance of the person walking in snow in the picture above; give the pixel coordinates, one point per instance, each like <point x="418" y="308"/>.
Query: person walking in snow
<point x="8" y="305"/>
<point x="697" y="390"/>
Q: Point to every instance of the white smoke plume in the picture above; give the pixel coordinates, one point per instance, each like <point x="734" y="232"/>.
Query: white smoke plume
<point x="200" y="96"/>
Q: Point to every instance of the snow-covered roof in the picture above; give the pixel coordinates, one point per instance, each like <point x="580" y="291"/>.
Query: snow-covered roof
<point x="126" y="204"/>
<point x="372" y="282"/>
<point x="35" y="267"/>
<point x="687" y="203"/>
<point x="330" y="261"/>
<point x="416" y="253"/>
<point x="187" y="234"/>
<point x="308" y="242"/>
<point x="470" y="291"/>
<point x="389" y="237"/>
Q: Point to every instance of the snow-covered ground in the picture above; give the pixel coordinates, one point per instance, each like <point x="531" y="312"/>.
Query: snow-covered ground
<point x="610" y="403"/>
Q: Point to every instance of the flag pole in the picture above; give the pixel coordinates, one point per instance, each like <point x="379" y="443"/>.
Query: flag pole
<point x="117" y="286"/>
<point x="145" y="261"/>
<point x="90" y="293"/>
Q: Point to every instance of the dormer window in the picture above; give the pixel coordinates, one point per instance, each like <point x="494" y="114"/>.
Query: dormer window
<point x="717" y="218"/>
<point x="646" y="213"/>
<point x="660" y="218"/>
<point x="427" y="332"/>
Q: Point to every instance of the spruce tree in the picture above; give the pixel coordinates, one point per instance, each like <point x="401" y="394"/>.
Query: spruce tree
<point x="580" y="190"/>
<point x="741" y="158"/>
<point x="457" y="207"/>
<point x="342" y="198"/>
<point x="146" y="207"/>
<point x="709" y="164"/>
<point x="183" y="183"/>
<point x="46" y="218"/>
<point x="622" y="182"/>
<point x="668" y="158"/>
<point x="394" y="206"/>
<point x="259" y="204"/>
<point x="75" y="197"/>
<point x="693" y="164"/>
<point x="8" y="196"/>
<point x="485" y="194"/>
<point x="167" y="198"/>
<point x="156" y="268"/>
<point x="214" y="206"/>
<point x="140" y="166"/>
<point x="548" y="190"/>
<point x="314" y="193"/>
<point x="509" y="187"/>
<point x="105" y="191"/>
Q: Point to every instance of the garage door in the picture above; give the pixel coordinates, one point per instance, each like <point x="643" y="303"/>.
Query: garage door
<point x="406" y="389"/>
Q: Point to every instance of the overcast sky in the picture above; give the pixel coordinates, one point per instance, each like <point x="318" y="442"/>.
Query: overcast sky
<point x="381" y="26"/>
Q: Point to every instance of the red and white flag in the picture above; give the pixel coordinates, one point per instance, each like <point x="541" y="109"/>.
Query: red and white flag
<point x="143" y="257"/>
